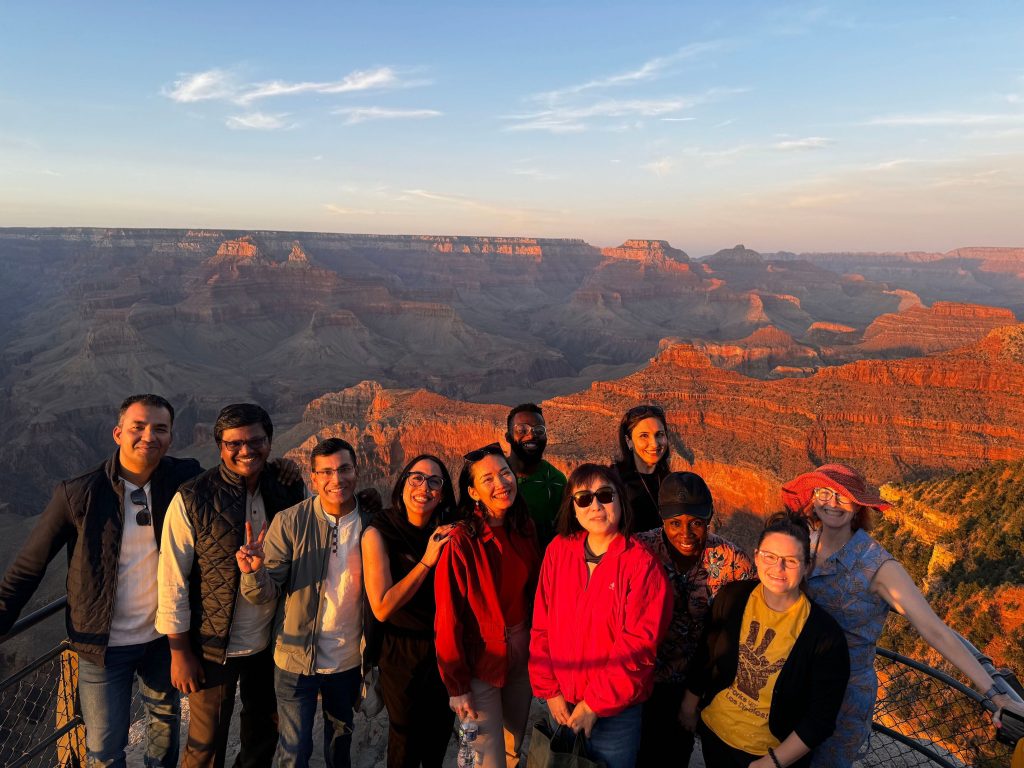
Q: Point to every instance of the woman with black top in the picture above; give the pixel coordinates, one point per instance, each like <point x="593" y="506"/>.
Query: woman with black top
<point x="643" y="463"/>
<point x="401" y="546"/>
<point x="772" y="667"/>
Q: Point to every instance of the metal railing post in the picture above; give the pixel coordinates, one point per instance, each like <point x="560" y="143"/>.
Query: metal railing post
<point x="70" y="746"/>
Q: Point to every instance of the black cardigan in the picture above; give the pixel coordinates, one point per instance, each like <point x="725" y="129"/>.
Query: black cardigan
<point x="810" y="687"/>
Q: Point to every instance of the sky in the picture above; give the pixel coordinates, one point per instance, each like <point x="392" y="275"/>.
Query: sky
<point x="783" y="126"/>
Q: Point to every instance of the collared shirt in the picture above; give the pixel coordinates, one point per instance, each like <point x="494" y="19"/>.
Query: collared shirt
<point x="693" y="591"/>
<point x="250" y="624"/>
<point x="135" y="598"/>
<point x="340" y="613"/>
<point x="543" y="491"/>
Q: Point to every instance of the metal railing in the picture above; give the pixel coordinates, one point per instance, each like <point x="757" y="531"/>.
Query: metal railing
<point x="922" y="717"/>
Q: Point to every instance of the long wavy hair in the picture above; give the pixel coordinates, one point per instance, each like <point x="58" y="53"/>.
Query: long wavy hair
<point x="517" y="518"/>
<point x="445" y="510"/>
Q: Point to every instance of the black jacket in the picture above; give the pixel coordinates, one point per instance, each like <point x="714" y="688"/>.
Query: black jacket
<point x="86" y="516"/>
<point x="810" y="687"/>
<point x="642" y="504"/>
<point x="215" y="505"/>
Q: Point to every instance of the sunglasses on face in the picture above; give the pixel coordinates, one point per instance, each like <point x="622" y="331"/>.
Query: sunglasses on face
<point x="418" y="479"/>
<point x="142" y="517"/>
<point x="584" y="499"/>
<point x="494" y="449"/>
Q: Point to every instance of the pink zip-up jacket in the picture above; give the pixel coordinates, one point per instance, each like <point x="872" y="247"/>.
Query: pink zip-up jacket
<point x="596" y="639"/>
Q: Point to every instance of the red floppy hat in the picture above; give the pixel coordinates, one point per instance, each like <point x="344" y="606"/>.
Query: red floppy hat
<point x="840" y="478"/>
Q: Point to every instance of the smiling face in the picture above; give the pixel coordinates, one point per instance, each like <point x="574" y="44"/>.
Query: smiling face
<point x="245" y="450"/>
<point x="598" y="518"/>
<point x="783" y="576"/>
<point x="527" y="437"/>
<point x="648" y="441"/>
<point x="334" y="480"/>
<point x="143" y="435"/>
<point x="421" y="502"/>
<point x="836" y="510"/>
<point x="493" y="484"/>
<point x="687" y="534"/>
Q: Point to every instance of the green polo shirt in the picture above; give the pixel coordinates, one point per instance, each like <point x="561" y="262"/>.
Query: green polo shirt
<point x="543" y="492"/>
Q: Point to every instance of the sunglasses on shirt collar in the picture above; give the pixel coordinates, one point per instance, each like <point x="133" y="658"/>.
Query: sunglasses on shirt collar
<point x="142" y="517"/>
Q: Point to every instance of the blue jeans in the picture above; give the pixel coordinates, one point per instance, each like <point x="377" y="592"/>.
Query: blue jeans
<point x="616" y="740"/>
<point x="105" y="695"/>
<point x="296" y="707"/>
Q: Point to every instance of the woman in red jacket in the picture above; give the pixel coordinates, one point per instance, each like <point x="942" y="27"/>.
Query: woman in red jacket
<point x="603" y="605"/>
<point x="484" y="589"/>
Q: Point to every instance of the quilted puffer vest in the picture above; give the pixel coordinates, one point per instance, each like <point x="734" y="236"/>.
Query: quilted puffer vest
<point x="215" y="504"/>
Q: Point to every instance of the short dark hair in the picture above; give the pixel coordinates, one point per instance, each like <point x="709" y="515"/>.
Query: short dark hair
<point x="522" y="408"/>
<point x="331" y="446"/>
<point x="151" y="401"/>
<point x="446" y="508"/>
<point x="566" y="523"/>
<point x="791" y="525"/>
<point x="242" y="415"/>
<point x="629" y="420"/>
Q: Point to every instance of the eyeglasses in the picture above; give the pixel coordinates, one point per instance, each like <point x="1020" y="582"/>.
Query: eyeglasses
<point x="522" y="430"/>
<point x="584" y="499"/>
<point x="770" y="559"/>
<point x="142" y="517"/>
<point x="253" y="443"/>
<point x="344" y="470"/>
<point x="417" y="480"/>
<point x="494" y="449"/>
<point x="825" y="495"/>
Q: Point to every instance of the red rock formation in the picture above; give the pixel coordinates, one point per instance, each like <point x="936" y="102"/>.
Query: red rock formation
<point x="920" y="331"/>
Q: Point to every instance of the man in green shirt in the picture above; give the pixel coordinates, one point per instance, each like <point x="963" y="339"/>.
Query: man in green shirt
<point x="540" y="483"/>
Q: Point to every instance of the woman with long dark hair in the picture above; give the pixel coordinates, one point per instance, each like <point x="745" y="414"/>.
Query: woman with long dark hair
<point x="643" y="462"/>
<point x="401" y="548"/>
<point x="772" y="668"/>
<point x="484" y="589"/>
<point x="603" y="606"/>
<point x="858" y="581"/>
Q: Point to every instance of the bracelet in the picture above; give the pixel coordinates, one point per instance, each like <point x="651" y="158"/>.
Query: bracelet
<point x="771" y="754"/>
<point x="428" y="567"/>
<point x="993" y="691"/>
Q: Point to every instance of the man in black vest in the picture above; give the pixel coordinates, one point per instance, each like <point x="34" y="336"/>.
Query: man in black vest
<point x="218" y="640"/>
<point x="110" y="521"/>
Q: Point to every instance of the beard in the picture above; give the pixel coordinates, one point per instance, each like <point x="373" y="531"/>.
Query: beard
<point x="528" y="455"/>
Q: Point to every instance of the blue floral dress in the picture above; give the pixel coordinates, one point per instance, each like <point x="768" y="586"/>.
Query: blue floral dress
<point x="841" y="585"/>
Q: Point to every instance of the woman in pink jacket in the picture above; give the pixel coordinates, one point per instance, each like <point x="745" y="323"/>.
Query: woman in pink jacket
<point x="603" y="605"/>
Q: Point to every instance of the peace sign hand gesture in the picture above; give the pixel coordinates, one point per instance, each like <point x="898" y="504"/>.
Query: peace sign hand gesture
<point x="250" y="554"/>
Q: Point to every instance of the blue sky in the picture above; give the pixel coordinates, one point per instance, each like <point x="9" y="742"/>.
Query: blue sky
<point x="803" y="126"/>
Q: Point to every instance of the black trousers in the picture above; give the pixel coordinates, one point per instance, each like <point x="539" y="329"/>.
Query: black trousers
<point x="661" y="733"/>
<point x="420" y="721"/>
<point x="211" y="709"/>
<point x="718" y="754"/>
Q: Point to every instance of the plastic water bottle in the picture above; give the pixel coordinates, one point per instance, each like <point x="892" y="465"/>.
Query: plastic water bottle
<point x="467" y="757"/>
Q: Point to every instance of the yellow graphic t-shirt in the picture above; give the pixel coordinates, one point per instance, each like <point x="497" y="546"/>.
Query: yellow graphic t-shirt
<point x="739" y="714"/>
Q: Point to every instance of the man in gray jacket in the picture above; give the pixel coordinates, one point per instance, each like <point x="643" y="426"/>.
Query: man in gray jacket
<point x="310" y="558"/>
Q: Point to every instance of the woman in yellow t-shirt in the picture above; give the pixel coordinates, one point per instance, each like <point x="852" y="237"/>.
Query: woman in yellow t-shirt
<point x="772" y="667"/>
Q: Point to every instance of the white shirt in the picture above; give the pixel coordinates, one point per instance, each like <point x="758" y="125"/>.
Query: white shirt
<point x="135" y="598"/>
<point x="341" y="618"/>
<point x="250" y="625"/>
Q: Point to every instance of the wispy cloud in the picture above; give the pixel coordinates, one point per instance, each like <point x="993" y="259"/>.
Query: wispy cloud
<point x="801" y="145"/>
<point x="660" y="167"/>
<point x="342" y="211"/>
<point x="468" y="203"/>
<point x="823" y="200"/>
<point x="223" y="85"/>
<point x="259" y="121"/>
<point x="356" y="115"/>
<point x="678" y="119"/>
<point x="939" y="119"/>
<point x="649" y="70"/>
<point x="532" y="173"/>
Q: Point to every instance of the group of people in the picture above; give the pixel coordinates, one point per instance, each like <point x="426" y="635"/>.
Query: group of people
<point x="604" y="594"/>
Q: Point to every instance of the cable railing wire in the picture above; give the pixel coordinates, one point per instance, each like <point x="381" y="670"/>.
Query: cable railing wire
<point x="923" y="716"/>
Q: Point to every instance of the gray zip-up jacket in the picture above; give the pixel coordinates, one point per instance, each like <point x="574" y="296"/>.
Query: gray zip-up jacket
<point x="296" y="549"/>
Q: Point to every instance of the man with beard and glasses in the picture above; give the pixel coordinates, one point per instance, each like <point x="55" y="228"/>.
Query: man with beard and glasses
<point x="540" y="484"/>
<point x="109" y="520"/>
<point x="698" y="564"/>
